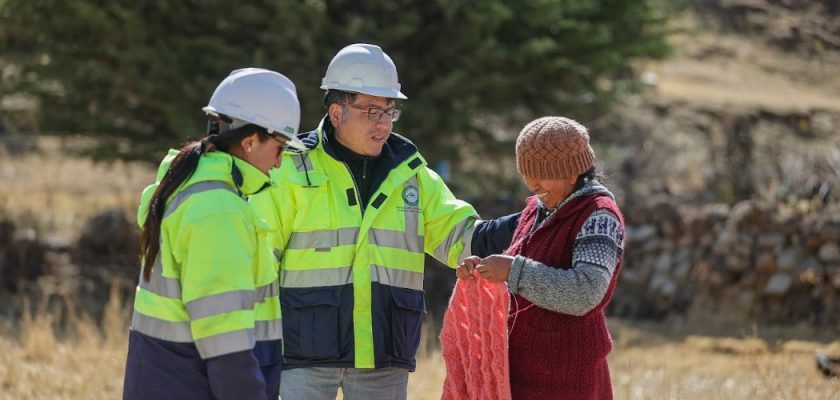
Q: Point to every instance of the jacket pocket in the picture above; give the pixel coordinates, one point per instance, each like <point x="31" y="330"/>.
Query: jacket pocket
<point x="406" y="319"/>
<point x="310" y="322"/>
<point x="313" y="200"/>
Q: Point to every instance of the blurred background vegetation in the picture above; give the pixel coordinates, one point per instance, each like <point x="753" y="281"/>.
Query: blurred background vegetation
<point x="135" y="74"/>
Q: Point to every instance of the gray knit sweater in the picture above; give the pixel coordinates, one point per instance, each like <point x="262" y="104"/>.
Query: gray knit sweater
<point x="595" y="255"/>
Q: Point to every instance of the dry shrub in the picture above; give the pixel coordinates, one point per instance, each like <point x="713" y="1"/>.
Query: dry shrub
<point x="747" y="346"/>
<point x="800" y="347"/>
<point x="38" y="333"/>
<point x="115" y="319"/>
<point x="833" y="349"/>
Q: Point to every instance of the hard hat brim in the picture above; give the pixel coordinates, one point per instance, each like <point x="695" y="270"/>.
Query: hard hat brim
<point x="378" y="92"/>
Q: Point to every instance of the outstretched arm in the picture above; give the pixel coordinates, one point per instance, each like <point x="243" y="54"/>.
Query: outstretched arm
<point x="493" y="236"/>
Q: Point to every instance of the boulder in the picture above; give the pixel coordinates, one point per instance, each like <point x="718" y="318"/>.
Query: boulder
<point x="778" y="285"/>
<point x="829" y="252"/>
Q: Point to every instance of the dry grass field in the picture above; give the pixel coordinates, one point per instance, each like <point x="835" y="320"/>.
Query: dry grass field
<point x="650" y="361"/>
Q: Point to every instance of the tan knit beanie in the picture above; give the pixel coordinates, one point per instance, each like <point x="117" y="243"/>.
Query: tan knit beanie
<point x="553" y="148"/>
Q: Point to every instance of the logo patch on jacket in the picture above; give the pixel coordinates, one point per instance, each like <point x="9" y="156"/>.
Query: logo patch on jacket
<point x="411" y="196"/>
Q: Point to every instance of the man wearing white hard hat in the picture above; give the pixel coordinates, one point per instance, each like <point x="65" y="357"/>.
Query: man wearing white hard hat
<point x="353" y="216"/>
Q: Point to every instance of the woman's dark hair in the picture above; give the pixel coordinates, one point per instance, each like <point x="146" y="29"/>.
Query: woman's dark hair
<point x="592" y="173"/>
<point x="182" y="167"/>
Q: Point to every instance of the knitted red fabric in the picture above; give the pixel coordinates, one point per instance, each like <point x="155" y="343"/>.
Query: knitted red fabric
<point x="474" y="341"/>
<point x="554" y="355"/>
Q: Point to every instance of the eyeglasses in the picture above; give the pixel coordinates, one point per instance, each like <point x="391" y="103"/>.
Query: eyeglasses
<point x="375" y="113"/>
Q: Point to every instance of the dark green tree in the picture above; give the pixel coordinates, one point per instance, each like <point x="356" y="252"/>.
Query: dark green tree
<point x="135" y="73"/>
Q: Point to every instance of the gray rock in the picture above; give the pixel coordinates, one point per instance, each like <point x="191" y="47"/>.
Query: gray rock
<point x="651" y="246"/>
<point x="663" y="264"/>
<point x="829" y="252"/>
<point x="771" y="240"/>
<point x="778" y="285"/>
<point x="683" y="254"/>
<point x="787" y="259"/>
<point x="663" y="286"/>
<point x="682" y="271"/>
<point x="640" y="233"/>
<point x="725" y="241"/>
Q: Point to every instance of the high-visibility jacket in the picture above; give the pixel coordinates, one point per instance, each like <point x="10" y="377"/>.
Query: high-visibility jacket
<point x="207" y="324"/>
<point x="351" y="275"/>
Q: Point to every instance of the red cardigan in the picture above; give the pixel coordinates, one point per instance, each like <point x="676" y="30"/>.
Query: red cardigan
<point x="554" y="355"/>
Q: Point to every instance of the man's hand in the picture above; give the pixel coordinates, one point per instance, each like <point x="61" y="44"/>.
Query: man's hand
<point x="495" y="268"/>
<point x="465" y="270"/>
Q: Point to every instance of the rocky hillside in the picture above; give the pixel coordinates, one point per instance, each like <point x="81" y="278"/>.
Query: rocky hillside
<point x="729" y="168"/>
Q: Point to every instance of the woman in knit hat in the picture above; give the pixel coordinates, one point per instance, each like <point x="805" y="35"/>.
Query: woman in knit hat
<point x="561" y="267"/>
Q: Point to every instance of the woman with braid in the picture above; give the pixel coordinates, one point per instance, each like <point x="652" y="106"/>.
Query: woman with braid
<point x="206" y="322"/>
<point x="561" y="267"/>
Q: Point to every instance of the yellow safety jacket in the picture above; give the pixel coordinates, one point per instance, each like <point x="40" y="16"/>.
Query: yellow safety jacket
<point x="351" y="277"/>
<point x="214" y="284"/>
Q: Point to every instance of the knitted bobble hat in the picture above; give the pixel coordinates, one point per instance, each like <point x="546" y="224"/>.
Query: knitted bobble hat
<point x="553" y="148"/>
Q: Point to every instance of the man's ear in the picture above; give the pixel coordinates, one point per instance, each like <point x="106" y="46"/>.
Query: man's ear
<point x="335" y="113"/>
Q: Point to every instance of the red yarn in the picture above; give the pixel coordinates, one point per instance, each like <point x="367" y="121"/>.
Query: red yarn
<point x="474" y="340"/>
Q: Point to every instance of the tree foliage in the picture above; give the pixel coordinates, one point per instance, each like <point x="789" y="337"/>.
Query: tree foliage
<point x="141" y="70"/>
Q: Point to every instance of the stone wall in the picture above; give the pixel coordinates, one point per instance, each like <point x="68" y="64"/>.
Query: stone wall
<point x="767" y="262"/>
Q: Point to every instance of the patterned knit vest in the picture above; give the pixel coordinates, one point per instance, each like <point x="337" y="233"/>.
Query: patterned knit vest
<point x="554" y="355"/>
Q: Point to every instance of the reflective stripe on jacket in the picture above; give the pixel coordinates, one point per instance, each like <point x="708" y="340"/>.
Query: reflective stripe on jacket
<point x="351" y="278"/>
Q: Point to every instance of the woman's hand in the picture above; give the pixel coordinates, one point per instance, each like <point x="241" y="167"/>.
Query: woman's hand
<point x="495" y="268"/>
<point x="465" y="270"/>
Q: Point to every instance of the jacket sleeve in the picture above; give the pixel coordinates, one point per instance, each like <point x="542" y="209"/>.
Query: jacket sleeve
<point x="218" y="291"/>
<point x="493" y="236"/>
<point x="227" y="374"/>
<point x="276" y="206"/>
<point x="449" y="222"/>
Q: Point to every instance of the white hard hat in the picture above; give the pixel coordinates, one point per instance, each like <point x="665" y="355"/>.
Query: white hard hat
<point x="260" y="97"/>
<point x="363" y="68"/>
